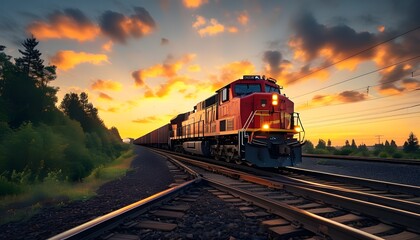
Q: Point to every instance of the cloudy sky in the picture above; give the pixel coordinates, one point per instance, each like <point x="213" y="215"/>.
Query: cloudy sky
<point x="351" y="67"/>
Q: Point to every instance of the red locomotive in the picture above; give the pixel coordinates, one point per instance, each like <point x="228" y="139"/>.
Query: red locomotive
<point x="247" y="121"/>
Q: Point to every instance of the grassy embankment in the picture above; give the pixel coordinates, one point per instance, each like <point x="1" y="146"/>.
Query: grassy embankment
<point x="30" y="198"/>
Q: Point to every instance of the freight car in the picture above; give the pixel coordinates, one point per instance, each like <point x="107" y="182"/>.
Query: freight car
<point x="247" y="121"/>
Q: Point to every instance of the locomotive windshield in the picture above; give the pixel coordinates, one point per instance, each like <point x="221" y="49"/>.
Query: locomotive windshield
<point x="270" y="89"/>
<point x="243" y="89"/>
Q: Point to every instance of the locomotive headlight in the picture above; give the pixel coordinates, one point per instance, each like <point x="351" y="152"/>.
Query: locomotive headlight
<point x="298" y="128"/>
<point x="274" y="99"/>
<point x="266" y="126"/>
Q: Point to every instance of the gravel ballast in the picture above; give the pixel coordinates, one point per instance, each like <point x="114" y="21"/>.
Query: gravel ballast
<point x="150" y="175"/>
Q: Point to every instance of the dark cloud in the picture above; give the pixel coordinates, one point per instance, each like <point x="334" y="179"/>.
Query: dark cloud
<point x="120" y="27"/>
<point x="105" y="96"/>
<point x="351" y="96"/>
<point x="274" y="44"/>
<point x="77" y="15"/>
<point x="110" y="23"/>
<point x="273" y="59"/>
<point x="369" y="19"/>
<point x="339" y="20"/>
<point x="164" y="41"/>
<point x="137" y="76"/>
<point x="312" y="37"/>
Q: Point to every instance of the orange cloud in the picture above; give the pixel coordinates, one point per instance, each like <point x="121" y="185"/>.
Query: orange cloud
<point x="231" y="72"/>
<point x="106" y="85"/>
<point x="232" y="29"/>
<point x="193" y="3"/>
<point x="199" y="21"/>
<point x="70" y="24"/>
<point x="213" y="28"/>
<point x="243" y="18"/>
<point x="194" y="68"/>
<point x="68" y="59"/>
<point x="105" y="96"/>
<point x="168" y="69"/>
<point x="107" y="46"/>
<point x="339" y="98"/>
<point x="381" y="28"/>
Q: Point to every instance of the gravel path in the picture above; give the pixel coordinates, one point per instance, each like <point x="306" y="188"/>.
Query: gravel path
<point x="398" y="173"/>
<point x="150" y="175"/>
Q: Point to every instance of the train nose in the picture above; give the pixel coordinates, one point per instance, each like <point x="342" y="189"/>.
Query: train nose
<point x="284" y="150"/>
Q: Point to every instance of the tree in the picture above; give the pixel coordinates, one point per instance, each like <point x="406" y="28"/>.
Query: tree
<point x="347" y="144"/>
<point x="115" y="131"/>
<point x="353" y="145"/>
<point x="24" y="91"/>
<point x="412" y="144"/>
<point x="78" y="108"/>
<point x="31" y="63"/>
<point x="393" y="145"/>
<point x="321" y="144"/>
<point x="308" y="147"/>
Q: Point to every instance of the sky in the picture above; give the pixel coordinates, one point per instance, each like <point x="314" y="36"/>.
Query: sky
<point x="351" y="67"/>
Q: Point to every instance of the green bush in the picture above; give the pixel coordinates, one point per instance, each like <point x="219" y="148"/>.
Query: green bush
<point x="8" y="188"/>
<point x="321" y="151"/>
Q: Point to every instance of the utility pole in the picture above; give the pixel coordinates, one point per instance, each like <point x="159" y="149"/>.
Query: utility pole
<point x="379" y="138"/>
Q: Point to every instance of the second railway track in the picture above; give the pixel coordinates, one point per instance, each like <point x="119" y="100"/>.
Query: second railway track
<point x="385" y="210"/>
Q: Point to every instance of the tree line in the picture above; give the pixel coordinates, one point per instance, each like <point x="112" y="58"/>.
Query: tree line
<point x="389" y="149"/>
<point x="39" y="139"/>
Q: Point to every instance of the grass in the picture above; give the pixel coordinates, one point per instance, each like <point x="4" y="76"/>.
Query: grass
<point x="29" y="199"/>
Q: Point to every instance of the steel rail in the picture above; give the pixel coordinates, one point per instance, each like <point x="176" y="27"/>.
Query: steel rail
<point x="388" y="214"/>
<point x="376" y="184"/>
<point x="97" y="226"/>
<point x="382" y="200"/>
<point x="312" y="222"/>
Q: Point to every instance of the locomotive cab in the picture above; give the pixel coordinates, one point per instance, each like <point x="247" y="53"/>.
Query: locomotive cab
<point x="263" y="120"/>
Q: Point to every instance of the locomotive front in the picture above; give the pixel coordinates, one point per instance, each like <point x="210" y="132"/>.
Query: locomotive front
<point x="272" y="133"/>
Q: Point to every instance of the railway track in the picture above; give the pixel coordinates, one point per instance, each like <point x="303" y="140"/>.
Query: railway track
<point x="285" y="206"/>
<point x="386" y="210"/>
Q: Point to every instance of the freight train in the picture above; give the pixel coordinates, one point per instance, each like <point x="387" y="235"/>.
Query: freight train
<point x="247" y="121"/>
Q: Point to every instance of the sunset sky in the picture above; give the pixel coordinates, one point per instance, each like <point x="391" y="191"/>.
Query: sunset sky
<point x="143" y="62"/>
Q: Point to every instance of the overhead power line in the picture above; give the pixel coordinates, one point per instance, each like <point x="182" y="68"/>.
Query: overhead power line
<point x="352" y="113"/>
<point x="341" y="103"/>
<point x="362" y="75"/>
<point x="363" y="120"/>
<point x="353" y="55"/>
<point x="349" y="118"/>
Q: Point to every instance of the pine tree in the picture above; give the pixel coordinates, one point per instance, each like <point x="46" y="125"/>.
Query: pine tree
<point x="24" y="87"/>
<point x="80" y="109"/>
<point x="412" y="144"/>
<point x="321" y="144"/>
<point x="353" y="145"/>
<point x="31" y="63"/>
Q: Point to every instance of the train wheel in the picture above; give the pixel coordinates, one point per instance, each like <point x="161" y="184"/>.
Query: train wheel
<point x="228" y="158"/>
<point x="215" y="154"/>
<point x="248" y="163"/>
